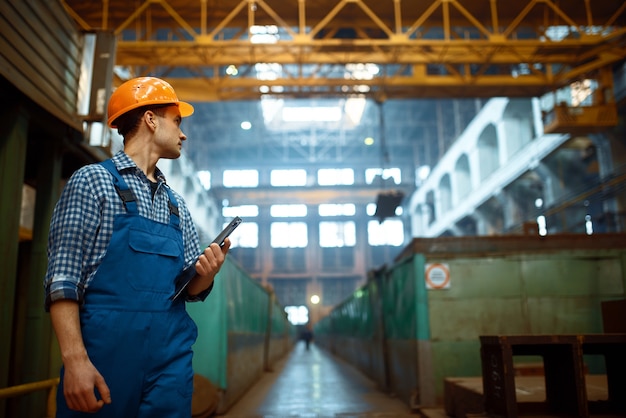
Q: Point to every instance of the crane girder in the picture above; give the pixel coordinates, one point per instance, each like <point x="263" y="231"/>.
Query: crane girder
<point x="437" y="48"/>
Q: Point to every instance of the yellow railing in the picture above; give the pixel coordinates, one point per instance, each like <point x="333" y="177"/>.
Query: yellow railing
<point x="19" y="390"/>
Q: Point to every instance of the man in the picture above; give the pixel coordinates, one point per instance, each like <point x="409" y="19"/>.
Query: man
<point x="119" y="238"/>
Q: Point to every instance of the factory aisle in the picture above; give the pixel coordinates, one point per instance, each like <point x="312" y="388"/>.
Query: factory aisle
<point x="314" y="383"/>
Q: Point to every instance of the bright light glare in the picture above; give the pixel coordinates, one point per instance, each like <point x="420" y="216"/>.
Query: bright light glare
<point x="541" y="223"/>
<point x="337" y="234"/>
<point x="395" y="173"/>
<point x="288" y="177"/>
<point x="246" y="235"/>
<point x="267" y="71"/>
<point x="361" y="71"/>
<point x="240" y="178"/>
<point x="423" y="172"/>
<point x="337" y="209"/>
<point x="588" y="225"/>
<point x="312" y="114"/>
<point x="264" y="34"/>
<point x="335" y="176"/>
<point x="297" y="315"/>
<point x="315" y="299"/>
<point x="390" y="232"/>
<point x="205" y="179"/>
<point x="354" y="108"/>
<point x="245" y="125"/>
<point x="232" y="70"/>
<point x="288" y="235"/>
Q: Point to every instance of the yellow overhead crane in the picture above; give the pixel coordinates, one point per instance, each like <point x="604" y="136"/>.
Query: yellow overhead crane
<point x="598" y="115"/>
<point x="424" y="49"/>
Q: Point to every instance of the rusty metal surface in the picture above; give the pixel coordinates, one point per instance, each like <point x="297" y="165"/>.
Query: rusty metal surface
<point x="613" y="314"/>
<point x="565" y="385"/>
<point x="510" y="244"/>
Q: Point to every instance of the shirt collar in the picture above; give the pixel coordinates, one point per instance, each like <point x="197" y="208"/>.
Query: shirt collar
<point x="124" y="162"/>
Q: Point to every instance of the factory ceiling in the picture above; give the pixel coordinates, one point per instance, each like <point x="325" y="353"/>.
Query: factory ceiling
<point x="236" y="58"/>
<point x="436" y="48"/>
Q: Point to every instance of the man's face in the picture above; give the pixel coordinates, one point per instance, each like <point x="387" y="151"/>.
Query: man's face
<point x="168" y="136"/>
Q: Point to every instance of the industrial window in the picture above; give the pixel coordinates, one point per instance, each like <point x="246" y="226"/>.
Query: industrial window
<point x="288" y="235"/>
<point x="335" y="177"/>
<point x="290" y="292"/>
<point x="389" y="232"/>
<point x="337" y="209"/>
<point x="241" y="178"/>
<point x="387" y="173"/>
<point x="281" y="178"/>
<point x="334" y="259"/>
<point x="246" y="235"/>
<point x="370" y="209"/>
<point x="337" y="234"/>
<point x="288" y="211"/>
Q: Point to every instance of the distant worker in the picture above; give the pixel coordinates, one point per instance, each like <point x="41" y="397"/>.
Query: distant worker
<point x="307" y="336"/>
<point x="119" y="238"/>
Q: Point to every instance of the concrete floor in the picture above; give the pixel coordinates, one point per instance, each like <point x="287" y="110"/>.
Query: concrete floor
<point x="314" y="383"/>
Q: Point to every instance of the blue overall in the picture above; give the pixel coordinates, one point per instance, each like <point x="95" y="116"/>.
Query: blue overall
<point x="137" y="338"/>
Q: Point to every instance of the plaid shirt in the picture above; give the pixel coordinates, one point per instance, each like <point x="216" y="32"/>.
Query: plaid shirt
<point x="82" y="225"/>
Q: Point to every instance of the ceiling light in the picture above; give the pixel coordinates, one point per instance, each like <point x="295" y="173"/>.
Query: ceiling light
<point x="232" y="70"/>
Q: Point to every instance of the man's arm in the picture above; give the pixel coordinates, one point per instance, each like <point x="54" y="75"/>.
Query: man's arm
<point x="80" y="374"/>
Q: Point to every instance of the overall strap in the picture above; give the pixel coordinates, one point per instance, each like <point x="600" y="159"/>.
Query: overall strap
<point x="173" y="204"/>
<point x="127" y="196"/>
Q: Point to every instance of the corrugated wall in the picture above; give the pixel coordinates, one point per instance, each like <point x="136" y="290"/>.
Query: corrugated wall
<point x="40" y="53"/>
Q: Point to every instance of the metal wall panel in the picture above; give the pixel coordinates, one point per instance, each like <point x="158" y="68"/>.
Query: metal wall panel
<point x="40" y="54"/>
<point x="242" y="331"/>
<point x="522" y="285"/>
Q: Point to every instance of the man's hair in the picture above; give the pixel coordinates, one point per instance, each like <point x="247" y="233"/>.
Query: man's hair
<point x="128" y="123"/>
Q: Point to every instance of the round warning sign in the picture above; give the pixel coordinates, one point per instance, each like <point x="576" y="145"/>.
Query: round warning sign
<point x="437" y="276"/>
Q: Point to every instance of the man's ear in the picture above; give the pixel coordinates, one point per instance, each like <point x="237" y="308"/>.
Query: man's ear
<point x="150" y="118"/>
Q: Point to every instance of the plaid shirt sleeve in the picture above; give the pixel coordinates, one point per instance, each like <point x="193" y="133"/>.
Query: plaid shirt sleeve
<point x="77" y="234"/>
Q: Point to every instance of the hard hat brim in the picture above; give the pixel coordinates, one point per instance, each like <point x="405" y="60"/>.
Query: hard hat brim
<point x="184" y="108"/>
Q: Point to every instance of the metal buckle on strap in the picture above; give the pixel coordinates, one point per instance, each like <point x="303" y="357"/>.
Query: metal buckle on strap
<point x="173" y="208"/>
<point x="125" y="195"/>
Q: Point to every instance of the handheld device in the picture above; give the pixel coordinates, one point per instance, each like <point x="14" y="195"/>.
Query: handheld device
<point x="227" y="231"/>
<point x="186" y="275"/>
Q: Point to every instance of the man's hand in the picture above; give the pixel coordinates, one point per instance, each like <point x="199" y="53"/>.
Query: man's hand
<point x="81" y="377"/>
<point x="78" y="387"/>
<point x="207" y="266"/>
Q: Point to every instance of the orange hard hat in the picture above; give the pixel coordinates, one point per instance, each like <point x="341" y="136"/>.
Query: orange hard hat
<point x="143" y="91"/>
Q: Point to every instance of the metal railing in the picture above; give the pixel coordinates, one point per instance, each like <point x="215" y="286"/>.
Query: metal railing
<point x="19" y="390"/>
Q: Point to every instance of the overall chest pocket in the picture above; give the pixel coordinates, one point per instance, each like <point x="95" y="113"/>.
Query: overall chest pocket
<point x="158" y="258"/>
